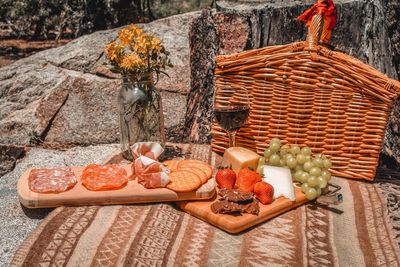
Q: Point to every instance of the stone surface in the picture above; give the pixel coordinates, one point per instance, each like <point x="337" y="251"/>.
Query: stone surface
<point x="59" y="104"/>
<point x="9" y="154"/>
<point x="174" y="32"/>
<point x="66" y="96"/>
<point x="89" y="115"/>
<point x="18" y="222"/>
<point x="173" y="103"/>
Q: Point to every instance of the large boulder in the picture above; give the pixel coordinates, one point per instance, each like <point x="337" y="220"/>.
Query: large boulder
<point x="66" y="96"/>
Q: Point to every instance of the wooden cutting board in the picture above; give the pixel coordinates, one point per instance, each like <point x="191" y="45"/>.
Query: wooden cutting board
<point x="132" y="193"/>
<point x="238" y="223"/>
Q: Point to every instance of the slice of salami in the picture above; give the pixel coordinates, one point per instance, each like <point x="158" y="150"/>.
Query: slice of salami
<point x="54" y="180"/>
<point x="104" y="177"/>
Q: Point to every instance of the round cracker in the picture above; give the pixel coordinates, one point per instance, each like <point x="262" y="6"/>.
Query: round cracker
<point x="200" y="172"/>
<point x="183" y="181"/>
<point x="191" y="163"/>
<point x="172" y="164"/>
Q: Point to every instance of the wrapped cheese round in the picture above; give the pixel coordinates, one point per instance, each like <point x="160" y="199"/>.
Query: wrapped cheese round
<point x="104" y="177"/>
<point x="54" y="180"/>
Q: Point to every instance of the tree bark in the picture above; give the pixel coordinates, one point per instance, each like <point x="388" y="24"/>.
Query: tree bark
<point x="203" y="48"/>
<point x="150" y="13"/>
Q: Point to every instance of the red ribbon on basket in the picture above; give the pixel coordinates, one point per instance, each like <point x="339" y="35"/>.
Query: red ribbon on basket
<point x="327" y="9"/>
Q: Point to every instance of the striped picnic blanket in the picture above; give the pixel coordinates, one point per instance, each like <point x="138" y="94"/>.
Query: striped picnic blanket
<point x="357" y="232"/>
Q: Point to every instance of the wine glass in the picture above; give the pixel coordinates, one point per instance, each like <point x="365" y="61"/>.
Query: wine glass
<point x="231" y="110"/>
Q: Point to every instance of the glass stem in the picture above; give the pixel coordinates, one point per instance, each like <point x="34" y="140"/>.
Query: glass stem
<point x="232" y="137"/>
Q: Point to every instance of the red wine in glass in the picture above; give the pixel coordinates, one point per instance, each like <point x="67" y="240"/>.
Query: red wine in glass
<point x="231" y="119"/>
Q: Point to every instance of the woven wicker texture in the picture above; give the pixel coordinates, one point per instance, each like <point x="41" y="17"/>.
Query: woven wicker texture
<point x="306" y="94"/>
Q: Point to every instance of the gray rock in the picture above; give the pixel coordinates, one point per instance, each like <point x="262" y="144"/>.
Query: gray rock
<point x="80" y="54"/>
<point x="65" y="95"/>
<point x="89" y="114"/>
<point x="48" y="101"/>
<point x="9" y="154"/>
<point x="174" y="31"/>
<point x="173" y="102"/>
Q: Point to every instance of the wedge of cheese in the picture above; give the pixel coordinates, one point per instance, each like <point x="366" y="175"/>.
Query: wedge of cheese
<point x="239" y="158"/>
<point x="281" y="180"/>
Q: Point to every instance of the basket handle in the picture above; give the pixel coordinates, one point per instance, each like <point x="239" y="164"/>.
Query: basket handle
<point x="321" y="15"/>
<point x="314" y="32"/>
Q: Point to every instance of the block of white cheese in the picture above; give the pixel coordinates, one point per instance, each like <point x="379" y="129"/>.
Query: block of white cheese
<point x="281" y="180"/>
<point x="239" y="158"/>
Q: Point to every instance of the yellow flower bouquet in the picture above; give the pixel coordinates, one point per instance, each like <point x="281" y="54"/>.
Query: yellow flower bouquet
<point x="136" y="53"/>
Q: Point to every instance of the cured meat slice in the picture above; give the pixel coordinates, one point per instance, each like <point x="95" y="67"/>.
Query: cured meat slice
<point x="145" y="165"/>
<point x="54" y="180"/>
<point x="153" y="180"/>
<point x="104" y="177"/>
<point x="148" y="149"/>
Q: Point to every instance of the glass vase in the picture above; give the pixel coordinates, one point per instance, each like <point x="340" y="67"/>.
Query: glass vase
<point x="141" y="113"/>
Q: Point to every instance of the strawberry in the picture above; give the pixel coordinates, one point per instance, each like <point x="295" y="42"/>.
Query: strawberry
<point x="264" y="192"/>
<point x="246" y="180"/>
<point x="226" y="178"/>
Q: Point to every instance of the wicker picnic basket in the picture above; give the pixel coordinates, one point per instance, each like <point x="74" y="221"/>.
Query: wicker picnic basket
<point x="307" y="94"/>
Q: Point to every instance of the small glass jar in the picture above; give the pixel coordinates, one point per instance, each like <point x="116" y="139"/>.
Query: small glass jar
<point x="141" y="112"/>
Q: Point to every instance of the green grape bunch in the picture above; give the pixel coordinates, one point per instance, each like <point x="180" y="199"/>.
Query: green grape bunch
<point x="311" y="171"/>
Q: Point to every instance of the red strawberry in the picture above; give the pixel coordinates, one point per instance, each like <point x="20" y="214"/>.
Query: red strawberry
<point x="226" y="178"/>
<point x="246" y="180"/>
<point x="264" y="192"/>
